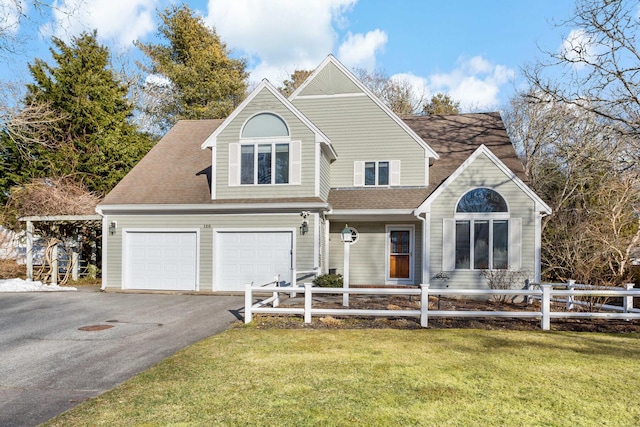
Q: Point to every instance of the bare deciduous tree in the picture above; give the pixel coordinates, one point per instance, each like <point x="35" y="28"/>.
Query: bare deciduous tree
<point x="600" y="60"/>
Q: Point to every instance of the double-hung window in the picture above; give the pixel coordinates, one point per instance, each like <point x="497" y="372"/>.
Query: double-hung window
<point x="482" y="235"/>
<point x="376" y="173"/>
<point x="264" y="163"/>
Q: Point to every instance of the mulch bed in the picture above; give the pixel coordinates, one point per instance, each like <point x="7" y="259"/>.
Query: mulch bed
<point x="404" y="302"/>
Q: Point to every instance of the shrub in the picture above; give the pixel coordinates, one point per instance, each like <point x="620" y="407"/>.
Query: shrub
<point x="328" y="281"/>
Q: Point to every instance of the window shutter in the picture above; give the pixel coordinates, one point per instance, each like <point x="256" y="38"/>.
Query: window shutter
<point x="394" y="175"/>
<point x="295" y="160"/>
<point x="448" y="244"/>
<point x="515" y="243"/>
<point x="358" y="174"/>
<point x="234" y="164"/>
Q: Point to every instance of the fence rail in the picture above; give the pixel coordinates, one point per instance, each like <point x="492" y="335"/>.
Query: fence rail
<point x="543" y="292"/>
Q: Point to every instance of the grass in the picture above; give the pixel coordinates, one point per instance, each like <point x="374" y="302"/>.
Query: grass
<point x="280" y="377"/>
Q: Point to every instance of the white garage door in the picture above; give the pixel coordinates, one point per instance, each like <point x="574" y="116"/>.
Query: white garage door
<point x="160" y="260"/>
<point x="257" y="257"/>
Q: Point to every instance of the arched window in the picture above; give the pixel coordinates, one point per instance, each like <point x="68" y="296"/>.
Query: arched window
<point x="482" y="200"/>
<point x="265" y="151"/>
<point x="482" y="231"/>
<point x="265" y="125"/>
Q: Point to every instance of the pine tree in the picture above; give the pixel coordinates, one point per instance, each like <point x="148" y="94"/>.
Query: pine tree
<point x="202" y="80"/>
<point x="92" y="140"/>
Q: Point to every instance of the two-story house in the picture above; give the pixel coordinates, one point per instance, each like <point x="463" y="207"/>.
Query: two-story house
<point x="267" y="191"/>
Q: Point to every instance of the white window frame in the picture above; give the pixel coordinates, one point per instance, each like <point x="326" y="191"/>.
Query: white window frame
<point x="273" y="144"/>
<point x="472" y="218"/>
<point x="359" y="176"/>
<point x="235" y="161"/>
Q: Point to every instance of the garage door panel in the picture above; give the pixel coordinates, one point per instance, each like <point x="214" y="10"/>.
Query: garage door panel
<point x="161" y="260"/>
<point x="257" y="257"/>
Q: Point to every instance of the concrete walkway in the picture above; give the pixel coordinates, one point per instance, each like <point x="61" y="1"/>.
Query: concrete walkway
<point x="58" y="349"/>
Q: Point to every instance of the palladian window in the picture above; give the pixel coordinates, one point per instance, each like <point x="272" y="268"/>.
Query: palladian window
<point x="482" y="231"/>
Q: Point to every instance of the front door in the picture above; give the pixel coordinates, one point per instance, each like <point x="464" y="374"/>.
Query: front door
<point x="400" y="253"/>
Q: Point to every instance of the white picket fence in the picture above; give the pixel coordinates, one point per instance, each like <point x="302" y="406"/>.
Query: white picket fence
<point x="544" y="292"/>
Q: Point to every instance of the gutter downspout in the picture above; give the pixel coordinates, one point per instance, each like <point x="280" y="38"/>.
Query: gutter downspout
<point x="425" y="246"/>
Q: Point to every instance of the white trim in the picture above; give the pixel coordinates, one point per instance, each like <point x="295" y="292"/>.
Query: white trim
<point x="335" y="95"/>
<point x="388" y="228"/>
<point x="216" y="242"/>
<point x="105" y="264"/>
<point x="212" y="208"/>
<point x="214" y="155"/>
<point x="327" y="235"/>
<point x="126" y="255"/>
<point x="316" y="240"/>
<point x="318" y="153"/>
<point x="508" y="172"/>
<point x="537" y="254"/>
<point x="356" y="212"/>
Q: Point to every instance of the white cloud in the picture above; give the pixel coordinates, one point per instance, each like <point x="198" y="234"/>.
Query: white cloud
<point x="578" y="47"/>
<point x="10" y="12"/>
<point x="279" y="36"/>
<point x="475" y="83"/>
<point x="121" y="20"/>
<point x="359" y="51"/>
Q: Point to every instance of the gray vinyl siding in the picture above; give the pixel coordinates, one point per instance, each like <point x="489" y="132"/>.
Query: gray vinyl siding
<point x="481" y="173"/>
<point x="207" y="225"/>
<point x="330" y="81"/>
<point x="325" y="176"/>
<point x="266" y="102"/>
<point x="360" y="130"/>
<point x="368" y="263"/>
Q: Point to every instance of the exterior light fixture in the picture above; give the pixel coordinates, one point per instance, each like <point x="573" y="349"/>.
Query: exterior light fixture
<point x="112" y="228"/>
<point x="304" y="227"/>
<point x="346" y="235"/>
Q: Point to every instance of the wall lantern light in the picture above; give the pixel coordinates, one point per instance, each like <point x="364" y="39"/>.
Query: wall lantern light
<point x="346" y="235"/>
<point x="304" y="227"/>
<point x="112" y="228"/>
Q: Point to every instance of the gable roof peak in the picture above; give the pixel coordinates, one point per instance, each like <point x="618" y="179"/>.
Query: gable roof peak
<point x="330" y="59"/>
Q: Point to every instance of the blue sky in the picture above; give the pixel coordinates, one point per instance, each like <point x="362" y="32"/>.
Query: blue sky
<point x="471" y="49"/>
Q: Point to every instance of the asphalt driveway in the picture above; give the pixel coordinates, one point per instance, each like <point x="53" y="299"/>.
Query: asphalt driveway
<point x="48" y="364"/>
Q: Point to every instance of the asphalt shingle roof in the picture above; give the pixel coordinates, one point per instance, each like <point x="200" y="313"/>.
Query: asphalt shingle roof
<point x="178" y="171"/>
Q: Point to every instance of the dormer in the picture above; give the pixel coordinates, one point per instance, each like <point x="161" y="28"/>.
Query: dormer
<point x="266" y="149"/>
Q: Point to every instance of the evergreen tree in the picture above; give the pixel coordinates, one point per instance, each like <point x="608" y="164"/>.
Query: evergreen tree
<point x="202" y="80"/>
<point x="92" y="139"/>
<point x="441" y="104"/>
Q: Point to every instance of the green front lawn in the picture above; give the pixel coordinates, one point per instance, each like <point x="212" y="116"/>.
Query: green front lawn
<point x="379" y="377"/>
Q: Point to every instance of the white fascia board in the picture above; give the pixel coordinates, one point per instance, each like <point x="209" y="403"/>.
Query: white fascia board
<point x="37" y="218"/>
<point x="541" y="206"/>
<point x="429" y="152"/>
<point x="367" y="212"/>
<point x="265" y="84"/>
<point x="213" y="208"/>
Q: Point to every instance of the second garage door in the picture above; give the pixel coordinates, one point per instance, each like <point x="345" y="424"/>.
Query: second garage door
<point x="244" y="257"/>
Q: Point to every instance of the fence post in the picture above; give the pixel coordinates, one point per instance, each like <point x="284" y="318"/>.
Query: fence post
<point x="248" y="302"/>
<point x="307" y="302"/>
<point x="424" y="305"/>
<point x="294" y="282"/>
<point x="54" y="265"/>
<point x="276" y="295"/>
<point x="571" y="284"/>
<point x="546" y="307"/>
<point x="628" y="299"/>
